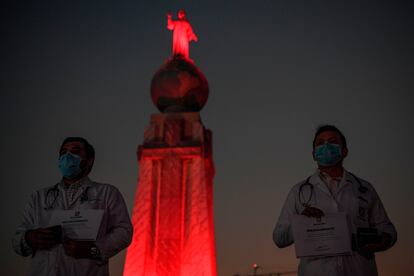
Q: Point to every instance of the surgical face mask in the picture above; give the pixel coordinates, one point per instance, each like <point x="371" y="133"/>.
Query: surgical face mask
<point x="328" y="154"/>
<point x="69" y="165"/>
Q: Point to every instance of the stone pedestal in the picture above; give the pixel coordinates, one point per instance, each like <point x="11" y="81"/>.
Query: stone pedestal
<point x="173" y="210"/>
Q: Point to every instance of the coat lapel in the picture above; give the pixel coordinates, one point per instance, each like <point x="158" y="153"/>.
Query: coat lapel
<point x="318" y="183"/>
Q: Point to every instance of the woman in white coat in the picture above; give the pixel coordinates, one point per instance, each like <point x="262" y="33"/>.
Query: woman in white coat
<point x="331" y="189"/>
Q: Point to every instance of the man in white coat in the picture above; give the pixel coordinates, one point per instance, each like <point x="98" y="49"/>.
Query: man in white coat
<point x="52" y="254"/>
<point x="331" y="189"/>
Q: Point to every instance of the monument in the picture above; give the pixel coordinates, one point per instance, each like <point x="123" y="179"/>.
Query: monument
<point x="173" y="209"/>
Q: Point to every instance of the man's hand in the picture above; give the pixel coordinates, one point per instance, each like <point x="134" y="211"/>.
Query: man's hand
<point x="41" y="238"/>
<point x="78" y="249"/>
<point x="369" y="249"/>
<point x="313" y="212"/>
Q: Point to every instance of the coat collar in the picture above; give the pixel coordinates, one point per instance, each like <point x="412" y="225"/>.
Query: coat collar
<point x="316" y="180"/>
<point x="83" y="182"/>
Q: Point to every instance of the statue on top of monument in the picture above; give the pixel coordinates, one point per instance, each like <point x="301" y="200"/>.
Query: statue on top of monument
<point x="182" y="34"/>
<point x="179" y="85"/>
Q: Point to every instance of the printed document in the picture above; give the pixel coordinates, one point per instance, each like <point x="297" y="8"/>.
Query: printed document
<point x="78" y="224"/>
<point x="325" y="236"/>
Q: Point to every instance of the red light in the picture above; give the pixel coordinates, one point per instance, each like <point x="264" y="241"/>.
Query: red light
<point x="173" y="214"/>
<point x="182" y="34"/>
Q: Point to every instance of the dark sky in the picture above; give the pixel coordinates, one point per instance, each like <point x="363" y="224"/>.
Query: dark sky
<point x="276" y="70"/>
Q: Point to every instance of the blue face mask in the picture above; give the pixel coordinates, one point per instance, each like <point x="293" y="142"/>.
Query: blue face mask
<point x="328" y="154"/>
<point x="69" y="165"/>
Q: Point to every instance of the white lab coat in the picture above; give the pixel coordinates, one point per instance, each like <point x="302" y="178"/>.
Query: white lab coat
<point x="362" y="209"/>
<point x="114" y="233"/>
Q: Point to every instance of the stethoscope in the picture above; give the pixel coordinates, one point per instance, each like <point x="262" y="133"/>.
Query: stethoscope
<point x="49" y="204"/>
<point x="361" y="188"/>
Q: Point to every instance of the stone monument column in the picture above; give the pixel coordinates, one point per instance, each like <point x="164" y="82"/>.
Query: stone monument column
<point x="173" y="209"/>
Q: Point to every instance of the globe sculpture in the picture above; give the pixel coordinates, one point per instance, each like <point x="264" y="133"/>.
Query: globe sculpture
<point x="179" y="86"/>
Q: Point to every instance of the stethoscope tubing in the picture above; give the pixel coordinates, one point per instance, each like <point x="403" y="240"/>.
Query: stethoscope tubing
<point x="55" y="190"/>
<point x="362" y="189"/>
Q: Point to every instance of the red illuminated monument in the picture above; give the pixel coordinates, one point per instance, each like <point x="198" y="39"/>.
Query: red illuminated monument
<point x="173" y="210"/>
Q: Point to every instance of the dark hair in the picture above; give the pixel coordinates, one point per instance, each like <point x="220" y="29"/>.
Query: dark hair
<point x="333" y="128"/>
<point x="89" y="150"/>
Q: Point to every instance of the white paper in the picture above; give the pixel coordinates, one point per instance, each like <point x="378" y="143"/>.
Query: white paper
<point x="327" y="236"/>
<point x="78" y="224"/>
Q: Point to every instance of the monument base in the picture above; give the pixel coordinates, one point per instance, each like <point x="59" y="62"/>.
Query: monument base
<point x="173" y="210"/>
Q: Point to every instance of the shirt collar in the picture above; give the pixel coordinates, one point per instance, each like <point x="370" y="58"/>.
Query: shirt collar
<point x="83" y="182"/>
<point x="316" y="180"/>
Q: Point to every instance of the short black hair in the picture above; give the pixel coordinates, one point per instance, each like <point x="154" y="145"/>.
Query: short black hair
<point x="89" y="150"/>
<point x="333" y="128"/>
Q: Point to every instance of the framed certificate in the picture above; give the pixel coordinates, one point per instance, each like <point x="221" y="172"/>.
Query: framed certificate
<point x="325" y="236"/>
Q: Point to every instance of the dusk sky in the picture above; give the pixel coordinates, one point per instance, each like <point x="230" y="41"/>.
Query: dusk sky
<point x="276" y="70"/>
